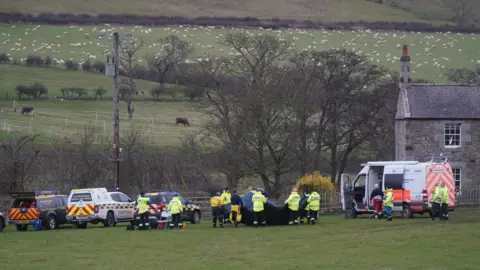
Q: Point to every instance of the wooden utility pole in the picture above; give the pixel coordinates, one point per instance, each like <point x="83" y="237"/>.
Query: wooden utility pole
<point x="116" y="114"/>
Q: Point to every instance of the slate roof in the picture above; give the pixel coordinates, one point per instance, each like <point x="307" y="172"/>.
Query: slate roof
<point x="431" y="101"/>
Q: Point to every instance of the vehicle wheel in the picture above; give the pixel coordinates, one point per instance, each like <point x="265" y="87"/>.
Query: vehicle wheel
<point x="195" y="217"/>
<point x="81" y="225"/>
<point x="22" y="228"/>
<point x="407" y="211"/>
<point x="51" y="223"/>
<point x="2" y="224"/>
<point x="110" y="221"/>
<point x="350" y="213"/>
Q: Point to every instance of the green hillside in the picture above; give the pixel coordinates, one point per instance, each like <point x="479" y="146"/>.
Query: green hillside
<point x="326" y="10"/>
<point x="431" y="53"/>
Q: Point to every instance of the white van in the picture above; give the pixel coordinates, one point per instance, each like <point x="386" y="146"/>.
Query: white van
<point x="412" y="182"/>
<point x="96" y="205"/>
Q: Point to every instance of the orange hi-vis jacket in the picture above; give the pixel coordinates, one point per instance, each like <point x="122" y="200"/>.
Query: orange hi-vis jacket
<point x="216" y="201"/>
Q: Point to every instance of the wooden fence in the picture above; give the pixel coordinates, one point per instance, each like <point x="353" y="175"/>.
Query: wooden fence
<point x="330" y="202"/>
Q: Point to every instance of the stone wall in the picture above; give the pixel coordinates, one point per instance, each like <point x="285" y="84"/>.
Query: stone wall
<point x="424" y="138"/>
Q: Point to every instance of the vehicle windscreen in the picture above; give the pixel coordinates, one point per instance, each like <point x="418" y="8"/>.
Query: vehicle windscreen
<point x="86" y="197"/>
<point x="154" y="199"/>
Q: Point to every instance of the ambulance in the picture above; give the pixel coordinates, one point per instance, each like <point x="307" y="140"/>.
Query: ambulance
<point x="413" y="183"/>
<point x="99" y="205"/>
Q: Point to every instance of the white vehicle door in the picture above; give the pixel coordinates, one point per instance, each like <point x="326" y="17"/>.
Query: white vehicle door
<point x="345" y="190"/>
<point x="129" y="206"/>
<point x="118" y="206"/>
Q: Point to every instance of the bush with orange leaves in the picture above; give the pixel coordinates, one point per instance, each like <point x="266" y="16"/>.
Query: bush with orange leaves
<point x="315" y="182"/>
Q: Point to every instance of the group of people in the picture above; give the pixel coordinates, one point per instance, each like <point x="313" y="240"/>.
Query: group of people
<point x="439" y="201"/>
<point x="226" y="207"/>
<point x="175" y="207"/>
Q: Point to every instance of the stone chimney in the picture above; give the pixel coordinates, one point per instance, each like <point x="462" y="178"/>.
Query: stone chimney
<point x="405" y="75"/>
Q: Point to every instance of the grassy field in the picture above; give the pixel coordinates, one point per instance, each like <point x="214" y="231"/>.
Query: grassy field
<point x="66" y="117"/>
<point x="327" y="10"/>
<point x="431" y="53"/>
<point x="333" y="243"/>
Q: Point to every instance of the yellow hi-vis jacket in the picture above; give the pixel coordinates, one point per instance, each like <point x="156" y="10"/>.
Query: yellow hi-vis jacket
<point x="142" y="203"/>
<point x="216" y="201"/>
<point x="258" y="201"/>
<point x="226" y="197"/>
<point x="293" y="201"/>
<point x="175" y="206"/>
<point x="314" y="201"/>
<point x="388" y="198"/>
<point x="440" y="195"/>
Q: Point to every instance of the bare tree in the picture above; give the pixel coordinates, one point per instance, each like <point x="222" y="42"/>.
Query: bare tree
<point x="92" y="163"/>
<point x="18" y="158"/>
<point x="173" y="52"/>
<point x="135" y="154"/>
<point x="463" y="9"/>
<point x="129" y="62"/>
<point x="345" y="76"/>
<point x="59" y="164"/>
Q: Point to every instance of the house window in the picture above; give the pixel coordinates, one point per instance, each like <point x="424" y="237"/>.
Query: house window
<point x="452" y="135"/>
<point x="457" y="177"/>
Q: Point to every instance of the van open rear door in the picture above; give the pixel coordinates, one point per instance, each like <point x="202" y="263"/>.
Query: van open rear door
<point x="346" y="196"/>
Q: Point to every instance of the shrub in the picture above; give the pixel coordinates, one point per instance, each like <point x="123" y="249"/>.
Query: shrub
<point x="124" y="91"/>
<point x="71" y="65"/>
<point x="4" y="58"/>
<point x="86" y="66"/>
<point x="35" y="90"/>
<point x="99" y="92"/>
<point x="47" y="61"/>
<point x="34" y="60"/>
<point x="69" y="92"/>
<point x="192" y="93"/>
<point x="99" y="66"/>
<point x="315" y="182"/>
<point x="157" y="91"/>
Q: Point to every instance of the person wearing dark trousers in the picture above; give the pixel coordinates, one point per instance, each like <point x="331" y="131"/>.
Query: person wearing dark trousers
<point x="259" y="218"/>
<point x="143" y="205"/>
<point x="437" y="199"/>
<point x="293" y="202"/>
<point x="259" y="202"/>
<point x="216" y="203"/>
<point x="227" y="205"/>
<point x="175" y="207"/>
<point x="443" y="192"/>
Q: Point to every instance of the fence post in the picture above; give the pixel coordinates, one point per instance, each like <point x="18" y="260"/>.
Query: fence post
<point x="104" y="131"/>
<point x="8" y="128"/>
<point x="5" y="124"/>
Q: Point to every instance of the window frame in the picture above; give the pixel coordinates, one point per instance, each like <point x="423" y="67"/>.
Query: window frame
<point x="450" y="128"/>
<point x="118" y="196"/>
<point x="459" y="181"/>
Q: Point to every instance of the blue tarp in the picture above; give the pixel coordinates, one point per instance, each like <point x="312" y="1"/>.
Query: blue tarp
<point x="275" y="214"/>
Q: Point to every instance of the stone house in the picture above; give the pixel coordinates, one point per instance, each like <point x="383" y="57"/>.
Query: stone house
<point x="433" y="119"/>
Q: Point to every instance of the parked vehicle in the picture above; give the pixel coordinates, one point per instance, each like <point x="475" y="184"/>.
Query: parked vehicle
<point x="48" y="206"/>
<point x="159" y="200"/>
<point x="412" y="182"/>
<point x="3" y="222"/>
<point x="94" y="205"/>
